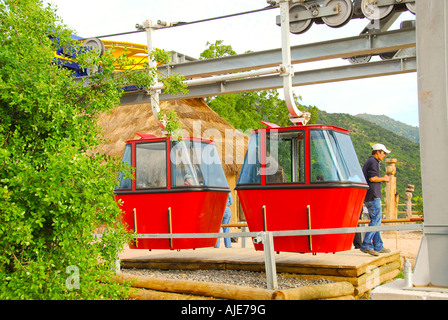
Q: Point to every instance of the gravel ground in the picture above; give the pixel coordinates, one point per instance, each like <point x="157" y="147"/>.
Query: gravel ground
<point x="233" y="277"/>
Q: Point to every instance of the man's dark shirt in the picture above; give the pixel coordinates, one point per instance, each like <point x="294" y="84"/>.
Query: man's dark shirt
<point x="372" y="169"/>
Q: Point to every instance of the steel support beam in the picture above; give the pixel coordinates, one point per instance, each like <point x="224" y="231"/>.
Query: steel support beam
<point x="301" y="78"/>
<point x="339" y="48"/>
<point x="432" y="51"/>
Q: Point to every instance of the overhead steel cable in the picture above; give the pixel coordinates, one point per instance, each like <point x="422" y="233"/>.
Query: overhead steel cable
<point x="182" y="23"/>
<point x="223" y="17"/>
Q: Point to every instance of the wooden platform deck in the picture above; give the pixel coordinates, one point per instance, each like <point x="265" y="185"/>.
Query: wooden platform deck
<point x="362" y="270"/>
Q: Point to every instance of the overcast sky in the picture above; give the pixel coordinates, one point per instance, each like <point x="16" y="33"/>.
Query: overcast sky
<point x="394" y="96"/>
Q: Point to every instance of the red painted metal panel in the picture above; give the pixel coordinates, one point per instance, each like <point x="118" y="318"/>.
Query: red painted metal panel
<point x="286" y="209"/>
<point x="191" y="212"/>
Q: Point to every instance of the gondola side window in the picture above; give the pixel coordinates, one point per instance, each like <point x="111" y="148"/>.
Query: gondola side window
<point x="285" y="157"/>
<point x="151" y="167"/>
<point x="196" y="164"/>
<point x="125" y="177"/>
<point x="333" y="158"/>
<point x="251" y="170"/>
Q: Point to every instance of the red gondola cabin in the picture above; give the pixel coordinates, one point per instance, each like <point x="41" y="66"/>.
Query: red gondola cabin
<point x="299" y="178"/>
<point x="178" y="187"/>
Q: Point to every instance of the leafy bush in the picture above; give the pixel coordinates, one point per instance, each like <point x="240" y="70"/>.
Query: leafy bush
<point x="56" y="189"/>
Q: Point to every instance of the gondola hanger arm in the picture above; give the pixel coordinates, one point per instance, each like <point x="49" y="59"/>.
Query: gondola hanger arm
<point x="297" y="117"/>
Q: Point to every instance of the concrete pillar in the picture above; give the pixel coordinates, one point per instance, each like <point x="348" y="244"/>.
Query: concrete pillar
<point x="432" y="65"/>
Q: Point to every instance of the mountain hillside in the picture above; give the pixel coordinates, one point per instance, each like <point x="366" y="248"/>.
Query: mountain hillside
<point x="400" y="128"/>
<point x="365" y="133"/>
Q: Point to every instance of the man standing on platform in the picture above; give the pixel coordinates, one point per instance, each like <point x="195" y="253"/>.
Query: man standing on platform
<point x="373" y="244"/>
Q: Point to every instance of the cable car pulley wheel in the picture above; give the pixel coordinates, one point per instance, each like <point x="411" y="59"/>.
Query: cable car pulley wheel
<point x="345" y="13"/>
<point x="300" y="26"/>
<point x="373" y="12"/>
<point x="95" y="44"/>
<point x="411" y="7"/>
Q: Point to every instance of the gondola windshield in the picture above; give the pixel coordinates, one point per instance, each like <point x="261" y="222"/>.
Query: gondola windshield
<point x="251" y="169"/>
<point x="195" y="163"/>
<point x="125" y="181"/>
<point x="283" y="159"/>
<point x="333" y="158"/>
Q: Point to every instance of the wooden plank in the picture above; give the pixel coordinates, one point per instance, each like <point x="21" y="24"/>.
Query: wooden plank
<point x="382" y="260"/>
<point x="362" y="271"/>
<point x="322" y="291"/>
<point x="208" y="289"/>
<point x="348" y="264"/>
<point x="378" y="272"/>
<point x="355" y="281"/>
<point x="360" y="290"/>
<point x="145" y="294"/>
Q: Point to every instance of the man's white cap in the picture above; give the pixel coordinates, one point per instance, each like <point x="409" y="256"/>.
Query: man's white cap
<point x="380" y="146"/>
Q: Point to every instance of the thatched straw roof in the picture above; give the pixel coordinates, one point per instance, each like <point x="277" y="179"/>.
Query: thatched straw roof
<point x="121" y="124"/>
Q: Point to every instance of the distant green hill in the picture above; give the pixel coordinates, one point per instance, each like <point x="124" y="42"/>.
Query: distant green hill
<point x="400" y="128"/>
<point x="365" y="133"/>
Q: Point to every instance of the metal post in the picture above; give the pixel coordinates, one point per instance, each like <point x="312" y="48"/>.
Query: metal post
<point x="269" y="259"/>
<point x="149" y="28"/>
<point x="432" y="68"/>
<point x="244" y="239"/>
<point x="170" y="227"/>
<point x="134" y="217"/>
<point x="296" y="115"/>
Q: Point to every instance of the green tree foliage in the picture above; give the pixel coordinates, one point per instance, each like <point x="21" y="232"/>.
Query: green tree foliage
<point x="55" y="188"/>
<point x="364" y="134"/>
<point x="217" y="50"/>
<point x="246" y="110"/>
<point x="400" y="128"/>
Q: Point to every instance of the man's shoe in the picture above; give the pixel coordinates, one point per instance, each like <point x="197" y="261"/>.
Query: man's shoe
<point x="384" y="251"/>
<point x="371" y="252"/>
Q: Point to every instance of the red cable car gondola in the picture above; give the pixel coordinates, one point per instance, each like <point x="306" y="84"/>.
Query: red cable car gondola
<point x="298" y="178"/>
<point x="178" y="187"/>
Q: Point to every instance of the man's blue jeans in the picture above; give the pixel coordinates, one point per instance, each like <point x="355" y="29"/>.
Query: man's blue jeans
<point x="225" y="220"/>
<point x="372" y="240"/>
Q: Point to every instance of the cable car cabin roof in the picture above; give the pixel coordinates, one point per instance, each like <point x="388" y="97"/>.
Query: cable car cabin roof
<point x="144" y="137"/>
<point x="326" y="158"/>
<point x="272" y="126"/>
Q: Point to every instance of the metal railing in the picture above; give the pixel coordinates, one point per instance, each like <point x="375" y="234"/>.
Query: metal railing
<point x="266" y="238"/>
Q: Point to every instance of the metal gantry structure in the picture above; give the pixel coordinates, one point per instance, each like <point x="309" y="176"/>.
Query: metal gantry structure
<point x="209" y="84"/>
<point x="261" y="70"/>
<point x="399" y="49"/>
<point x="432" y="49"/>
